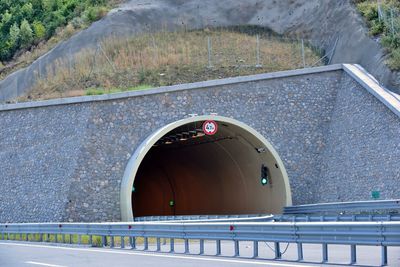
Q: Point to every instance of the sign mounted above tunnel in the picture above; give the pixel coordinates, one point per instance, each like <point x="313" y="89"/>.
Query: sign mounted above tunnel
<point x="205" y="165"/>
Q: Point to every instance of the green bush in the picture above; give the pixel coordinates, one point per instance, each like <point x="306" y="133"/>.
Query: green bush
<point x="39" y="30"/>
<point x="387" y="27"/>
<point x="26" y="34"/>
<point x="95" y="13"/>
<point x="394" y="60"/>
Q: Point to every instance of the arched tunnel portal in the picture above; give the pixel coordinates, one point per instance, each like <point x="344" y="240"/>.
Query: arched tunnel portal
<point x="180" y="170"/>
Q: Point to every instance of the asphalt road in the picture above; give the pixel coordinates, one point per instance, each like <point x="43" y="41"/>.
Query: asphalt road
<point x="21" y="254"/>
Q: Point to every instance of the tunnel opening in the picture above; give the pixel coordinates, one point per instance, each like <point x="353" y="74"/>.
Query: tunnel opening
<point x="186" y="169"/>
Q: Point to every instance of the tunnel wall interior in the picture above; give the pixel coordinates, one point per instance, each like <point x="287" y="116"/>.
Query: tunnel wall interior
<point x="64" y="160"/>
<point x="187" y="173"/>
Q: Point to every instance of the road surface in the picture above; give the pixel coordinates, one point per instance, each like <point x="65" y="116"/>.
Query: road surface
<point x="24" y="254"/>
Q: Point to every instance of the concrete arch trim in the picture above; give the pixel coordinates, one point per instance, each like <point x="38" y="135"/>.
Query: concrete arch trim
<point x="139" y="154"/>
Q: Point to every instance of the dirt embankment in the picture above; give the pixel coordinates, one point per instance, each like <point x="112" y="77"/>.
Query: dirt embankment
<point x="325" y="22"/>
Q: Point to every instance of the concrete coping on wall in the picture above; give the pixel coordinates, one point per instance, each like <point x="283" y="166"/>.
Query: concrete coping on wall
<point x="391" y="100"/>
<point x="388" y="98"/>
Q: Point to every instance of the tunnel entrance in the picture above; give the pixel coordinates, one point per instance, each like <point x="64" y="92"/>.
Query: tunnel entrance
<point x="184" y="169"/>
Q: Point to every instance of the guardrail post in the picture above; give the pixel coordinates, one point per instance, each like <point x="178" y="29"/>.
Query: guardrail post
<point x="353" y="254"/>
<point x="70" y="238"/>
<point x="218" y="247"/>
<point x="122" y="242"/>
<point x="278" y="253"/>
<point x="146" y="243"/>
<point x="40" y="237"/>
<point x="111" y="241"/>
<point x="384" y="256"/>
<point x="132" y="241"/>
<point x="63" y="238"/>
<point x="255" y="249"/>
<point x="324" y="252"/>
<point x="27" y="237"/>
<point x="79" y="239"/>
<point x="172" y="245"/>
<point x="201" y="247"/>
<point x="186" y="246"/>
<point x="300" y="255"/>
<point x="103" y="240"/>
<point x="158" y="244"/>
<point x="236" y="242"/>
<point x="91" y="240"/>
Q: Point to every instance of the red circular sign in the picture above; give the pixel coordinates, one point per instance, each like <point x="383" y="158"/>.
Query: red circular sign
<point x="210" y="127"/>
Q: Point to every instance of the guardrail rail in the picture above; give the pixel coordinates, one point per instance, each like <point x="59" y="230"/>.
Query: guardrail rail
<point x="382" y="234"/>
<point x="339" y="207"/>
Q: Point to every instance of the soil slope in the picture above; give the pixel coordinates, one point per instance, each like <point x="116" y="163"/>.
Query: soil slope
<point x="325" y="22"/>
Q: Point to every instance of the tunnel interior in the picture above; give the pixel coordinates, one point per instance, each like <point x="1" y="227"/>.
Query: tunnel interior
<point x="187" y="172"/>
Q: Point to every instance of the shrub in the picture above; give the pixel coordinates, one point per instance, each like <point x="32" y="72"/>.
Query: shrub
<point x="95" y="13"/>
<point x="39" y="30"/>
<point x="26" y="34"/>
<point x="394" y="60"/>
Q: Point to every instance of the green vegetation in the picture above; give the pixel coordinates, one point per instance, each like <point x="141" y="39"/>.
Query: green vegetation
<point x="26" y="23"/>
<point x="383" y="20"/>
<point x="101" y="91"/>
<point x="167" y="58"/>
<point x="84" y="239"/>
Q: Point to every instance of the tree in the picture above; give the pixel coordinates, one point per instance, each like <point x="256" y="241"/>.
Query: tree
<point x="39" y="30"/>
<point x="14" y="35"/>
<point x="26" y="34"/>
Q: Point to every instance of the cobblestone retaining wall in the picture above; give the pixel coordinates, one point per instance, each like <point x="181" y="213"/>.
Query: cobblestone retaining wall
<point x="65" y="162"/>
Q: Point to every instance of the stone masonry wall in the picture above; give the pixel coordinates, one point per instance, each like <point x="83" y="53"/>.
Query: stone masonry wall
<point x="363" y="148"/>
<point x="66" y="162"/>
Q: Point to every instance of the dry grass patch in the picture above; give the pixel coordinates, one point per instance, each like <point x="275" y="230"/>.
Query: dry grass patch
<point x="168" y="58"/>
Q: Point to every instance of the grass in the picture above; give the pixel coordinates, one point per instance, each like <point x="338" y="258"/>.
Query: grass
<point x="167" y="58"/>
<point x="84" y="239"/>
<point x="101" y="91"/>
<point x="385" y="28"/>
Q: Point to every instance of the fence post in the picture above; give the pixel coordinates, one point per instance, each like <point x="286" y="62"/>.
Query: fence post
<point x="303" y="56"/>
<point x="392" y="21"/>
<point x="258" y="65"/>
<point x="209" y="49"/>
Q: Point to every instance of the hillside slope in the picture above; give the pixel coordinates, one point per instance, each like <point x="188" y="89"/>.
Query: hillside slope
<point x="325" y="22"/>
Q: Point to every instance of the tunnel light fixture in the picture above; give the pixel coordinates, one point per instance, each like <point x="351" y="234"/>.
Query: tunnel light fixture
<point x="133" y="189"/>
<point x="171" y="203"/>
<point x="261" y="149"/>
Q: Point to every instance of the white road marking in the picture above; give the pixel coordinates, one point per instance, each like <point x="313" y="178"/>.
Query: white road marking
<point x="43" y="264"/>
<point x="151" y="254"/>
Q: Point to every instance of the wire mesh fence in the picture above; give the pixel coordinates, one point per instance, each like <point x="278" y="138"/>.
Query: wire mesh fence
<point x="167" y="58"/>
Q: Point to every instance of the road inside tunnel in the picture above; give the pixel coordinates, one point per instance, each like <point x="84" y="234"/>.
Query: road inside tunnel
<point x="184" y="171"/>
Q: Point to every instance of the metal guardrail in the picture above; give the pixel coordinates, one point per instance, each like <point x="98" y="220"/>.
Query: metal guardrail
<point x="208" y="218"/>
<point x="337" y="218"/>
<point x="337" y="207"/>
<point x="382" y="234"/>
